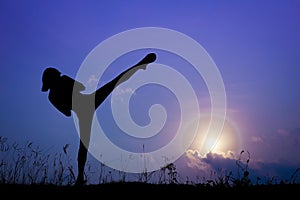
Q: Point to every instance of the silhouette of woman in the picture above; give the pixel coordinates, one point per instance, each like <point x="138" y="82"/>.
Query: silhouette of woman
<point x="65" y="95"/>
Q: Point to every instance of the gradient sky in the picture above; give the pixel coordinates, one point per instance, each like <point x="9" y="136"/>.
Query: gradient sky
<point x="255" y="44"/>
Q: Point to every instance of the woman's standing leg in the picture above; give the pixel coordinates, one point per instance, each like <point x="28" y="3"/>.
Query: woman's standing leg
<point x="84" y="110"/>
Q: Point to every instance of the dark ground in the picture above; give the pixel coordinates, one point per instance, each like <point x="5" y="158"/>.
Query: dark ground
<point x="142" y="190"/>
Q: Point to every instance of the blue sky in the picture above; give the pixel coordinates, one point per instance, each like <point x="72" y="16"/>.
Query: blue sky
<point x="255" y="44"/>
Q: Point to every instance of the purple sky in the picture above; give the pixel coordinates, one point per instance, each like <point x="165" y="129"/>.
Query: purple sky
<point x="255" y="44"/>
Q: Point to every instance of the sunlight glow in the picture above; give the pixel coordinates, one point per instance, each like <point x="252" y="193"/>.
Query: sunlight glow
<point x="228" y="142"/>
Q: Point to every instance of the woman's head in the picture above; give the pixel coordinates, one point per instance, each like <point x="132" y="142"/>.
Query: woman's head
<point x="49" y="76"/>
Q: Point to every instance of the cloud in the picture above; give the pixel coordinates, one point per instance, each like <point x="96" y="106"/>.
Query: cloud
<point x="92" y="81"/>
<point x="256" y="139"/>
<point x="286" y="144"/>
<point x="199" y="168"/>
<point x="194" y="160"/>
<point x="275" y="172"/>
<point x="283" y="132"/>
<point x="121" y="92"/>
<point x="281" y="145"/>
<point x="191" y="167"/>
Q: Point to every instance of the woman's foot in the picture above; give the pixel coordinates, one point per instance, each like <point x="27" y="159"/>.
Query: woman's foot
<point x="149" y="58"/>
<point x="80" y="182"/>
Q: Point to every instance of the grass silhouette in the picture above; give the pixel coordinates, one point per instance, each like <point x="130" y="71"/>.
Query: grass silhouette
<point x="32" y="169"/>
<point x="29" y="164"/>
